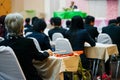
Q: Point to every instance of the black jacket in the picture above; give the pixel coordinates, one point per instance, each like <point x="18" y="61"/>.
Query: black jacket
<point x="114" y="32"/>
<point x="25" y="51"/>
<point x="78" y="38"/>
<point x="92" y="31"/>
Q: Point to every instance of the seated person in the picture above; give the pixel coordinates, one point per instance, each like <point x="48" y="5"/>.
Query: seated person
<point x="27" y="26"/>
<point x="89" y="25"/>
<point x="39" y="26"/>
<point x="2" y="26"/>
<point x="24" y="48"/>
<point x="72" y="5"/>
<point x="77" y="36"/>
<point x="56" y="22"/>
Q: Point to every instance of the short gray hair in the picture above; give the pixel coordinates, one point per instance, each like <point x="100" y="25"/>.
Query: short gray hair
<point x="14" y="23"/>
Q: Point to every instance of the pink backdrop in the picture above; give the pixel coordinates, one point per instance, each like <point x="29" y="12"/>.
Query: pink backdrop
<point x="111" y="12"/>
<point x="112" y="9"/>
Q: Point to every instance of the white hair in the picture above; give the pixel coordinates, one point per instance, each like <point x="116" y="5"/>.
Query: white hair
<point x="14" y="23"/>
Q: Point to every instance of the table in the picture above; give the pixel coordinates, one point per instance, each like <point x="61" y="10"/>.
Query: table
<point x="100" y="52"/>
<point x="53" y="67"/>
<point x="69" y="14"/>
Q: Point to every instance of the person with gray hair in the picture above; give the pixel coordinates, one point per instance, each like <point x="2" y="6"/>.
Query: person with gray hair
<point x="24" y="48"/>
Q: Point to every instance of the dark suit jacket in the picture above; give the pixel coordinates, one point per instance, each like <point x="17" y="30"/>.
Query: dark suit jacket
<point x="42" y="39"/>
<point x="114" y="32"/>
<point x="78" y="38"/>
<point x="56" y="29"/>
<point x="25" y="51"/>
<point x="92" y="31"/>
<point x="27" y="28"/>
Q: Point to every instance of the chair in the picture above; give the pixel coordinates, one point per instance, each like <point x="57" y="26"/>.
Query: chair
<point x="117" y="68"/>
<point x="63" y="46"/>
<point x="56" y="35"/>
<point x="104" y="38"/>
<point x="9" y="65"/>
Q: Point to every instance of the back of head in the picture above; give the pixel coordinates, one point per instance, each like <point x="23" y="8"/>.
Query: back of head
<point x="27" y="20"/>
<point x="68" y="23"/>
<point x="112" y="21"/>
<point x="89" y="19"/>
<point x="118" y="20"/>
<point x="76" y="23"/>
<point x="51" y="20"/>
<point x="2" y="19"/>
<point x="34" y="19"/>
<point x="14" y="23"/>
<point x="39" y="25"/>
<point x="57" y="21"/>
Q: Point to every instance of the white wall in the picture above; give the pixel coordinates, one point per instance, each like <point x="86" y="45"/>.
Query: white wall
<point x="118" y="7"/>
<point x="97" y="8"/>
<point x="17" y="5"/>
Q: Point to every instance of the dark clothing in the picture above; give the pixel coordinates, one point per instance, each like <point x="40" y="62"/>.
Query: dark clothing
<point x="78" y="38"/>
<point x="26" y="51"/>
<point x="92" y="31"/>
<point x="27" y="28"/>
<point x="114" y="32"/>
<point x="42" y="39"/>
<point x="2" y="31"/>
<point x="56" y="29"/>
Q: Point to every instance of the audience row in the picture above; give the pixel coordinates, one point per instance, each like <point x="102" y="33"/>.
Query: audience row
<point x="78" y="32"/>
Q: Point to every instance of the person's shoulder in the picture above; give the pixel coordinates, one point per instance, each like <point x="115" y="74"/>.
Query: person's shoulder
<point x="63" y="29"/>
<point x="82" y="31"/>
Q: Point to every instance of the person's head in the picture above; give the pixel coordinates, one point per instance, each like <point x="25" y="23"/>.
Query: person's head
<point x="75" y="7"/>
<point x="34" y="19"/>
<point x="14" y="24"/>
<point x="57" y="21"/>
<point x="90" y="20"/>
<point x="118" y="20"/>
<point x="72" y="2"/>
<point x="77" y="23"/>
<point x="27" y="20"/>
<point x="39" y="25"/>
<point x="51" y="21"/>
<point x="112" y="21"/>
<point x="2" y="19"/>
<point x="68" y="23"/>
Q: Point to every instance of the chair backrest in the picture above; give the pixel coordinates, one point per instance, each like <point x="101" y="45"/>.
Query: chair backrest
<point x="63" y="46"/>
<point x="10" y="68"/>
<point x="56" y="35"/>
<point x="104" y="38"/>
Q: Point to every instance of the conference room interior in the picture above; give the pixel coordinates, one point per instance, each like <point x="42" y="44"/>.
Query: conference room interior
<point x="102" y="10"/>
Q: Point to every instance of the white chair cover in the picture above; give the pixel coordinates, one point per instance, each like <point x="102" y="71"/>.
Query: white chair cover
<point x="63" y="46"/>
<point x="9" y="65"/>
<point x="104" y="38"/>
<point x="56" y="35"/>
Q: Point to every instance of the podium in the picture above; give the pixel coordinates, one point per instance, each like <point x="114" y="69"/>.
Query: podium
<point x="69" y="14"/>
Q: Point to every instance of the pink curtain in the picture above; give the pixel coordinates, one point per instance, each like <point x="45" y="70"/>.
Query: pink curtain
<point x="112" y="9"/>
